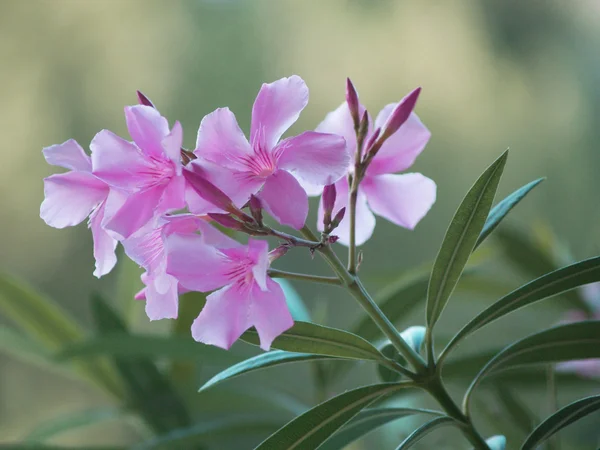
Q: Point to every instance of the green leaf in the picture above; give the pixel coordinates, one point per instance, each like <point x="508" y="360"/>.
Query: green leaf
<point x="73" y="420"/>
<point x="306" y="337"/>
<point x="424" y="430"/>
<point x="499" y="212"/>
<point x="294" y="301"/>
<point x="311" y="429"/>
<point x="150" y="392"/>
<point x="460" y="239"/>
<point x="260" y="362"/>
<point x="560" y="419"/>
<point x="573" y="341"/>
<point x="47" y="324"/>
<point x="551" y="284"/>
<point x="368" y="420"/>
<point x="146" y="347"/>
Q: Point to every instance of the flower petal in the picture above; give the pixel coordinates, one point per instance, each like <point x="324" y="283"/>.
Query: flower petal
<point x="70" y="197"/>
<point x="270" y="314"/>
<point x="213" y="237"/>
<point x="277" y="106"/>
<point x="161" y="297"/>
<point x="118" y="162"/>
<point x="173" y="195"/>
<point x="318" y="158"/>
<point x="401" y="149"/>
<point x="172" y="146"/>
<point x="258" y="251"/>
<point x="197" y="266"/>
<point x="104" y="244"/>
<point x="221" y="140"/>
<point x="283" y="198"/>
<point x="137" y="210"/>
<point x="339" y="121"/>
<point x="69" y="155"/>
<point x="147" y="129"/>
<point x="402" y="199"/>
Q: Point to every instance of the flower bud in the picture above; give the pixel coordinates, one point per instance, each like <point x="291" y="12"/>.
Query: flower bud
<point x="338" y="218"/>
<point x="227" y="221"/>
<point x="256" y="209"/>
<point x="329" y="194"/>
<point x="333" y="239"/>
<point x="278" y="252"/>
<point x="400" y="113"/>
<point x="372" y="139"/>
<point x="208" y="191"/>
<point x="144" y="100"/>
<point x="352" y="101"/>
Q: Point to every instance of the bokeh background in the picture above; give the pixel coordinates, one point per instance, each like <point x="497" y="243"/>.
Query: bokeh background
<point x="495" y="74"/>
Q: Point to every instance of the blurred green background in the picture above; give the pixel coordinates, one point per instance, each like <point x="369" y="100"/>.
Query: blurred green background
<point x="495" y="74"/>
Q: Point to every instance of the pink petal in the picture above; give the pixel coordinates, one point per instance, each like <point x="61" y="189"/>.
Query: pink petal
<point x="147" y="129"/>
<point x="69" y="155"/>
<point x="213" y="237"/>
<point x="161" y="297"/>
<point x="70" y="197"/>
<point x="137" y="210"/>
<point x="402" y="199"/>
<point x="104" y="244"/>
<point x="277" y="106"/>
<point x="119" y="162"/>
<point x="401" y="149"/>
<point x="283" y="198"/>
<point x="172" y="146"/>
<point x="365" y="220"/>
<point x="173" y="195"/>
<point x="318" y="158"/>
<point x="197" y="266"/>
<point x="221" y="140"/>
<point x="269" y="314"/>
<point x="258" y="251"/>
<point x="340" y="122"/>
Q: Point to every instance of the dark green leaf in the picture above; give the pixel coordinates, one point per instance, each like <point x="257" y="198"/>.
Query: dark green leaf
<point x="305" y="337"/>
<point x="560" y="419"/>
<point x="460" y="239"/>
<point x="147" y="347"/>
<point x="262" y="361"/>
<point x="368" y="420"/>
<point x="150" y="392"/>
<point x="573" y="341"/>
<point x="424" y="430"/>
<point x="499" y="212"/>
<point x="554" y="283"/>
<point x="311" y="429"/>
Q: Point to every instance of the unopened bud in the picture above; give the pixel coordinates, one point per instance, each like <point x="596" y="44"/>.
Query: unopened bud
<point x="338" y="218"/>
<point x="363" y="127"/>
<point x="256" y="209"/>
<point x="333" y="239"/>
<point x="227" y="221"/>
<point x="144" y="100"/>
<point x="372" y="139"/>
<point x="401" y="113"/>
<point x="352" y="101"/>
<point x="278" y="252"/>
<point x="208" y="191"/>
<point x="329" y="195"/>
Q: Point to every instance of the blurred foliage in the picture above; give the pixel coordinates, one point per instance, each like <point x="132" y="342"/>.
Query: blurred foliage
<point x="495" y="74"/>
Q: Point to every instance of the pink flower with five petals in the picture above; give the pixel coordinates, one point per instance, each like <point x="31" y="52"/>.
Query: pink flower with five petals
<point x="266" y="165"/>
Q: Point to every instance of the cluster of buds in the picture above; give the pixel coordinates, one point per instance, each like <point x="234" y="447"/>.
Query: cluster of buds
<point x="330" y="221"/>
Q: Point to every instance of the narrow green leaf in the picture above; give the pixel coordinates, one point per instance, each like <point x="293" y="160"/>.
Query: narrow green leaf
<point x="561" y="419"/>
<point x="311" y="429"/>
<point x="573" y="341"/>
<point x="294" y="301"/>
<point x="424" y="430"/>
<point x="146" y="347"/>
<point x="150" y="392"/>
<point x="368" y="420"/>
<point x="47" y="324"/>
<point x="306" y="337"/>
<point x="73" y="420"/>
<point x="460" y="239"/>
<point x="551" y="284"/>
<point x="260" y="362"/>
<point x="499" y="212"/>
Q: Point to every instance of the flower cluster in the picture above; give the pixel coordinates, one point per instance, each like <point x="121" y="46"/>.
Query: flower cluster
<point x="160" y="200"/>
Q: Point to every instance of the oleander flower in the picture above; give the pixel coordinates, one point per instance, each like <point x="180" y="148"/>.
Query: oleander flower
<point x="403" y="199"/>
<point x="267" y="166"/>
<point x="71" y="197"/>
<point x="246" y="295"/>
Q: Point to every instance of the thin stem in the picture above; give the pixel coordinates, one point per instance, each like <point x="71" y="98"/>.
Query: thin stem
<point x="293" y="240"/>
<point x="352" y="211"/>
<point x="274" y="273"/>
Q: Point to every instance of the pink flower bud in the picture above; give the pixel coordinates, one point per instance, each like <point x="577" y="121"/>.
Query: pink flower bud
<point x="338" y="218"/>
<point x="372" y="139"/>
<point x="333" y="239"/>
<point x="144" y="100"/>
<point x="400" y="113"/>
<point x="227" y="221"/>
<point x="209" y="191"/>
<point x="278" y="252"/>
<point x="363" y="127"/>
<point x="329" y="194"/>
<point x="256" y="209"/>
<point x="353" y="105"/>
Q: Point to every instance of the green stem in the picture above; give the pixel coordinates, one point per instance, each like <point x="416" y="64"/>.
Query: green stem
<point x="274" y="273"/>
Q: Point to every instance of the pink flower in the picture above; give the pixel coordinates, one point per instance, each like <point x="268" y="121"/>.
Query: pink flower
<point x="148" y="169"/>
<point x="247" y="296"/>
<point x="401" y="199"/>
<point x="265" y="165"/>
<point x="71" y="197"/>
